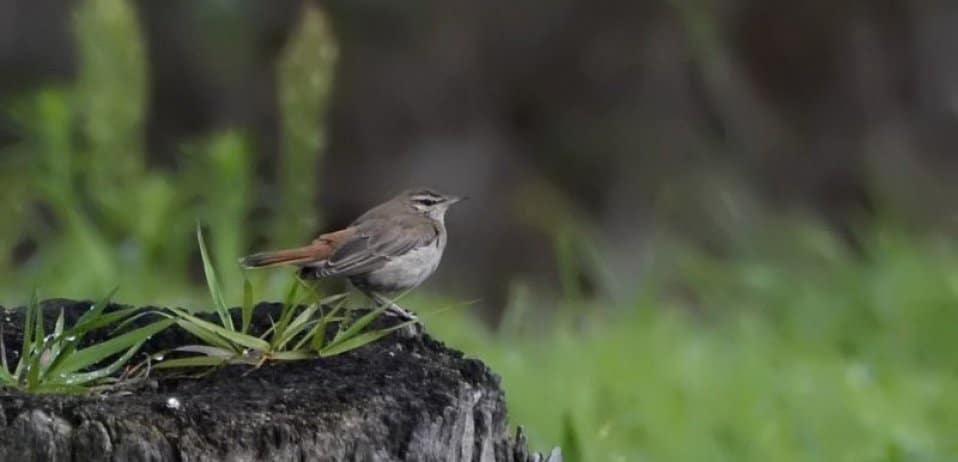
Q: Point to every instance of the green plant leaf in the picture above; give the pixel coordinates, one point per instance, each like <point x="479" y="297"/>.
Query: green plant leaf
<point x="27" y="344"/>
<point x="292" y="355"/>
<point x="289" y="306"/>
<point x="311" y="329"/>
<point x="67" y="343"/>
<point x="356" y="341"/>
<point x="6" y="378"/>
<point x="3" y="358"/>
<point x="110" y="318"/>
<point x="38" y="350"/>
<point x="247" y="304"/>
<point x="92" y="376"/>
<point x="40" y="334"/>
<point x="96" y="353"/>
<point x="26" y="347"/>
<point x="336" y="298"/>
<point x="206" y="350"/>
<point x="571" y="440"/>
<point x="205" y="335"/>
<point x="193" y="361"/>
<point x="94" y="314"/>
<point x="216" y="292"/>
<point x="65" y="350"/>
<point x="357" y="326"/>
<point x="58" y="328"/>
<point x="124" y="316"/>
<point x="317" y="336"/>
<point x="295" y="327"/>
<point x="247" y="341"/>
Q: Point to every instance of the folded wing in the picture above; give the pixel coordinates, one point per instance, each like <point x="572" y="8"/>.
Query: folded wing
<point x="373" y="246"/>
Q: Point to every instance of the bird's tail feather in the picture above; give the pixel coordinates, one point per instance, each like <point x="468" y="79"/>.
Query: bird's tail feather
<point x="280" y="257"/>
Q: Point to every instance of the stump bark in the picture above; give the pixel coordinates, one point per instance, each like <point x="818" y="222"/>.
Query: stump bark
<point x="403" y="398"/>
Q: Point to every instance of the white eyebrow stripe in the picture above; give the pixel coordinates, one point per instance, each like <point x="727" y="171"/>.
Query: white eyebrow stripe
<point x="427" y="196"/>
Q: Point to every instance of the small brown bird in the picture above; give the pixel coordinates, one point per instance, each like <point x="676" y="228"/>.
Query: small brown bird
<point x="395" y="246"/>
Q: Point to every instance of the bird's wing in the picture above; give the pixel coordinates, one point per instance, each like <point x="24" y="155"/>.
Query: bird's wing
<point x="368" y="251"/>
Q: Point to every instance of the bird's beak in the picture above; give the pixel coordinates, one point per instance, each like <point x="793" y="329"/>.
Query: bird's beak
<point x="455" y="199"/>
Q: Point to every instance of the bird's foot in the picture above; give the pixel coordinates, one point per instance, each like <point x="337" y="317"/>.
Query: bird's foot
<point x="411" y="326"/>
<point x="414" y="328"/>
<point x="401" y="313"/>
<point x="393" y="309"/>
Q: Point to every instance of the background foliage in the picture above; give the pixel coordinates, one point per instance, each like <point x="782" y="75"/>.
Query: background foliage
<point x="773" y="337"/>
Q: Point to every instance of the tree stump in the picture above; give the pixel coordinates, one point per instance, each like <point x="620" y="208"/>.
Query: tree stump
<point x="406" y="398"/>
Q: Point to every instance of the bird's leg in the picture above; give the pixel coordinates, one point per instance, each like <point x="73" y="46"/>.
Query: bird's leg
<point x="395" y="309"/>
<point x="392" y="307"/>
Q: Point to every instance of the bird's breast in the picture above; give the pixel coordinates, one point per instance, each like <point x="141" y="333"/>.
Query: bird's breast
<point x="405" y="271"/>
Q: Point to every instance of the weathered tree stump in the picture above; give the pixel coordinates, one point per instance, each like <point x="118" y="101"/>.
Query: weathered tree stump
<point x="401" y="398"/>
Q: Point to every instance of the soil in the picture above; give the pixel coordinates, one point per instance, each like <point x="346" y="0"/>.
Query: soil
<point x="405" y="397"/>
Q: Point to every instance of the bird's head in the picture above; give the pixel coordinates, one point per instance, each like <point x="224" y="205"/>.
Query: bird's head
<point x="429" y="202"/>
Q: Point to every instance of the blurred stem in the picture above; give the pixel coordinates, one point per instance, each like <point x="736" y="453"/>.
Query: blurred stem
<point x="56" y="181"/>
<point x="305" y="76"/>
<point x="55" y="177"/>
<point x="566" y="250"/>
<point x="227" y="199"/>
<point x="698" y="17"/>
<point x="111" y="96"/>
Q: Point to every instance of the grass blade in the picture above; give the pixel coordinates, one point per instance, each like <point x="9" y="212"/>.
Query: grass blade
<point x="289" y="306"/>
<point x="107" y="319"/>
<point x="216" y="292"/>
<point x="193" y="361"/>
<point x="206" y="336"/>
<point x="318" y="335"/>
<point x="295" y="327"/>
<point x="38" y="349"/>
<point x="6" y="378"/>
<point x="129" y="318"/>
<point x="68" y="347"/>
<point x="247" y="304"/>
<point x="292" y="355"/>
<point x="247" y="341"/>
<point x="3" y="357"/>
<point x="206" y="350"/>
<point x="94" y="313"/>
<point x="357" y="326"/>
<point x="39" y="334"/>
<point x="84" y="378"/>
<point x="27" y="345"/>
<point x="58" y="328"/>
<point x="96" y="353"/>
<point x="359" y="340"/>
<point x="311" y="330"/>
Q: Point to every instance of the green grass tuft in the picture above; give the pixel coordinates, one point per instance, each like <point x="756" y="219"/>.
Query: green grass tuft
<point x="54" y="363"/>
<point x="299" y="333"/>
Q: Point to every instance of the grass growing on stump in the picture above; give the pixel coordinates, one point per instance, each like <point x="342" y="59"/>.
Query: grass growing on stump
<point x="55" y="363"/>
<point x="300" y="332"/>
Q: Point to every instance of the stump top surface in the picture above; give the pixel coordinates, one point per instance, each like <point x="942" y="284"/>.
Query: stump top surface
<point x="387" y="390"/>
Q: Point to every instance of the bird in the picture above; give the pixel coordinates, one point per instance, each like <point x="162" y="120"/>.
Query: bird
<point x="393" y="247"/>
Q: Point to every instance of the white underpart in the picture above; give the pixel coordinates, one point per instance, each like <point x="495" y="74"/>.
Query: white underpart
<point x="409" y="269"/>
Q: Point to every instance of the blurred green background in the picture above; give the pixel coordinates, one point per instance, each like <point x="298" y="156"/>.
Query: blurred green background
<point x="700" y="231"/>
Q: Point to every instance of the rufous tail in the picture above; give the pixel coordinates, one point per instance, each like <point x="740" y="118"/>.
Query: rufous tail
<point x="281" y="257"/>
